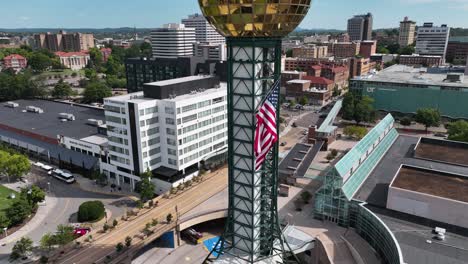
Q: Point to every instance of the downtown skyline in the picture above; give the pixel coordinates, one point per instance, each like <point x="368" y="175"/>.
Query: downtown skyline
<point x="324" y="14"/>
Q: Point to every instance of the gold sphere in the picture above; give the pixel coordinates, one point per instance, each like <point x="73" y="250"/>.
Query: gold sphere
<point x="254" y="18"/>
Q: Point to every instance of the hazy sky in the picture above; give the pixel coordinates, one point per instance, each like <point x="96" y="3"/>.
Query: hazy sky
<point x="153" y="13"/>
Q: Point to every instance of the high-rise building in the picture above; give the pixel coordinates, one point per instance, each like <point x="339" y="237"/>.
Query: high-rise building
<point x="204" y="31"/>
<point x="173" y="41"/>
<point x="432" y="40"/>
<point x="360" y="27"/>
<point x="170" y="128"/>
<point x="210" y="51"/>
<point x="64" y="41"/>
<point x="407" y="32"/>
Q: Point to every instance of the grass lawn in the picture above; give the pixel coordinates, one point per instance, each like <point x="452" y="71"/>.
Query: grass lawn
<point x="5" y="202"/>
<point x="61" y="72"/>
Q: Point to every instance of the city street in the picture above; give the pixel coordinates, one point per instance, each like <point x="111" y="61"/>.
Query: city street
<point x="64" y="201"/>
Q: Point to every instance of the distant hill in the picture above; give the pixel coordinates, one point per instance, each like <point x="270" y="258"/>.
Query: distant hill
<point x="82" y="30"/>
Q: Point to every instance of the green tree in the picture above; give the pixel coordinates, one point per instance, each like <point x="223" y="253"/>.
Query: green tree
<point x="382" y="50"/>
<point x="91" y="74"/>
<point x="289" y="53"/>
<point x="146" y="49"/>
<point x="364" y="110"/>
<point x="348" y="106"/>
<point x="33" y="195"/>
<point x="48" y="240"/>
<point x="306" y="196"/>
<point x="408" y="50"/>
<point x="64" y="235"/>
<point x="128" y="241"/>
<point x="405" y="121"/>
<point x="458" y="131"/>
<point x="22" y="248"/>
<point x="119" y="247"/>
<point x="146" y="186"/>
<point x="96" y="92"/>
<point x="16" y="166"/>
<point x="62" y="90"/>
<point x="115" y="67"/>
<point x="115" y="223"/>
<point x="429" y="117"/>
<point x="336" y="91"/>
<point x="91" y="211"/>
<point x="18" y="211"/>
<point x="97" y="59"/>
<point x="4" y="221"/>
<point x="303" y="100"/>
<point x="39" y="62"/>
<point x="357" y="132"/>
<point x="169" y="218"/>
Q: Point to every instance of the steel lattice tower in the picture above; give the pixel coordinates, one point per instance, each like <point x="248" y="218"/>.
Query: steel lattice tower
<point x="254" y="30"/>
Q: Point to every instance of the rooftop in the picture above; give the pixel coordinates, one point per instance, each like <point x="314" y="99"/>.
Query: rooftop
<point x="48" y="123"/>
<point x="318" y="80"/>
<point x="432" y="182"/>
<point x="375" y="189"/>
<point x="180" y="80"/>
<point x="298" y="81"/>
<point x="298" y="159"/>
<point x="411" y="75"/>
<point x="413" y="234"/>
<point x="443" y="151"/>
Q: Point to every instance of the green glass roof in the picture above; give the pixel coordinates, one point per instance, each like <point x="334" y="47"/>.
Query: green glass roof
<point x="327" y="125"/>
<point x="360" y="175"/>
<point x="352" y="157"/>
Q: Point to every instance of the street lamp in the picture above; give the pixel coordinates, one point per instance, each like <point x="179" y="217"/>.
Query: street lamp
<point x="48" y="186"/>
<point x="5" y="231"/>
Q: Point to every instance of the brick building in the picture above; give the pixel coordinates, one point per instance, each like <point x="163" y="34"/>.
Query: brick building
<point x="106" y="52"/>
<point x="310" y="52"/>
<point x="73" y="60"/>
<point x="15" y="62"/>
<point x="296" y="89"/>
<point x="344" y="49"/>
<point x="338" y="74"/>
<point x="457" y="50"/>
<point x="64" y="41"/>
<point x="360" y="66"/>
<point x="420" y="60"/>
<point x="367" y="48"/>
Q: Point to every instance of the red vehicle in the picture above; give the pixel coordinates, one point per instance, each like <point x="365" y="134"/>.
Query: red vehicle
<point x="79" y="232"/>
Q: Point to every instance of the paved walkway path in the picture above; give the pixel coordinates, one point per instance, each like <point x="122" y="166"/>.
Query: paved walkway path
<point x="42" y="212"/>
<point x="91" y="186"/>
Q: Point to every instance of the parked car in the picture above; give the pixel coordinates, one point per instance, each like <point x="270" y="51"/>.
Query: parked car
<point x="189" y="237"/>
<point x="442" y="135"/>
<point x="194" y="233"/>
<point x="79" y="232"/>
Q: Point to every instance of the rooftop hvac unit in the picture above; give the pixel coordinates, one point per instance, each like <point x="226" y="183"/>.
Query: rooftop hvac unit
<point x="94" y="122"/>
<point x="69" y="117"/>
<point x="12" y="104"/>
<point x="34" y="109"/>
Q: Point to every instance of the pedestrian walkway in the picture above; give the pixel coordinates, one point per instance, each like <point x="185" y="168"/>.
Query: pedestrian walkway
<point x="91" y="186"/>
<point x="42" y="213"/>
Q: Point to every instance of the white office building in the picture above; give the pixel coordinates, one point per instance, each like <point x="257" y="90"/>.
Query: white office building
<point x="432" y="40"/>
<point x="172" y="128"/>
<point x="204" y="31"/>
<point x="173" y="41"/>
<point x="211" y="51"/>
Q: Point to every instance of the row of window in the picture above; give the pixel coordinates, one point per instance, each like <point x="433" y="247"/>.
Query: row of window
<point x="148" y="111"/>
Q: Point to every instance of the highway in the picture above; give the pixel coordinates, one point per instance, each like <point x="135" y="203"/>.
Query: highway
<point x="104" y="245"/>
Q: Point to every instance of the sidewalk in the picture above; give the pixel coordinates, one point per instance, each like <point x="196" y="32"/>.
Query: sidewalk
<point x="91" y="186"/>
<point x="42" y="212"/>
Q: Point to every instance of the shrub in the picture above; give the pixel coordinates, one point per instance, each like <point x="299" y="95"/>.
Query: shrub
<point x="119" y="247"/>
<point x="334" y="152"/>
<point x="405" y="121"/>
<point x="154" y="222"/>
<point x="105" y="227"/>
<point x="91" y="211"/>
<point x="169" y="218"/>
<point x="128" y="241"/>
<point x="306" y="196"/>
<point x="115" y="223"/>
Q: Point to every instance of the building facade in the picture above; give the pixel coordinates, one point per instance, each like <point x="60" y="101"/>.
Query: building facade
<point x="457" y="50"/>
<point x="210" y="51"/>
<point x="360" y="27"/>
<point x="407" y="32"/>
<point x="406" y="89"/>
<point x="360" y="66"/>
<point x="15" y="62"/>
<point x="344" y="49"/>
<point x="171" y="129"/>
<point x="367" y="48"/>
<point x="432" y="40"/>
<point x="420" y="60"/>
<point x="73" y="60"/>
<point x="64" y="41"/>
<point x="204" y="31"/>
<point x="173" y="41"/>
<point x="142" y="70"/>
<point x="310" y="52"/>
<point x="317" y="90"/>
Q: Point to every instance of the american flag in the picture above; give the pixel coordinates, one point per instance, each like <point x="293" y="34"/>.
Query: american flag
<point x="266" y="133"/>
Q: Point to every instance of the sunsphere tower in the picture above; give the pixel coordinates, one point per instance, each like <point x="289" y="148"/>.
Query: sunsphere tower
<point x="254" y="29"/>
